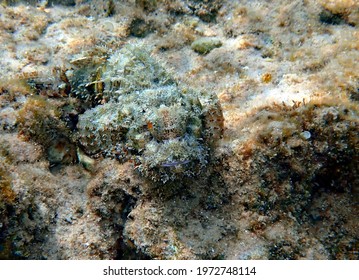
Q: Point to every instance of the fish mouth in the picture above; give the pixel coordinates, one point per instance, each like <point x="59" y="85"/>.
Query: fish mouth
<point x="174" y="163"/>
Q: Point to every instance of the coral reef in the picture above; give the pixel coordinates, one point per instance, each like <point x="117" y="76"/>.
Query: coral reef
<point x="119" y="141"/>
<point x="277" y="160"/>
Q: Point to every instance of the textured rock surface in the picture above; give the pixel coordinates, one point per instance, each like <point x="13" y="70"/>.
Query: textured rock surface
<point x="282" y="183"/>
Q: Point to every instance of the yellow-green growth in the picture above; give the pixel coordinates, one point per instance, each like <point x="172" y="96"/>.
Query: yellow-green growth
<point x="39" y="120"/>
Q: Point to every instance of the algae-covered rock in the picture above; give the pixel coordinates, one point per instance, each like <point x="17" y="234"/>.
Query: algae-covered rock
<point x="205" y="45"/>
<point x="205" y="10"/>
<point x="39" y="120"/>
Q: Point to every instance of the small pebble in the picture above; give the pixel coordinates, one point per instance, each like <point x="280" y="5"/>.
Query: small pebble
<point x="305" y="135"/>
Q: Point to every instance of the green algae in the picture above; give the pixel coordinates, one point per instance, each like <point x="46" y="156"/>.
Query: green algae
<point x="205" y="45"/>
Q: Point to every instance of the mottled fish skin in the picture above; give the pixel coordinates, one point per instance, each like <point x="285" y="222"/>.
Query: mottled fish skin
<point x="174" y="163"/>
<point x="147" y="116"/>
